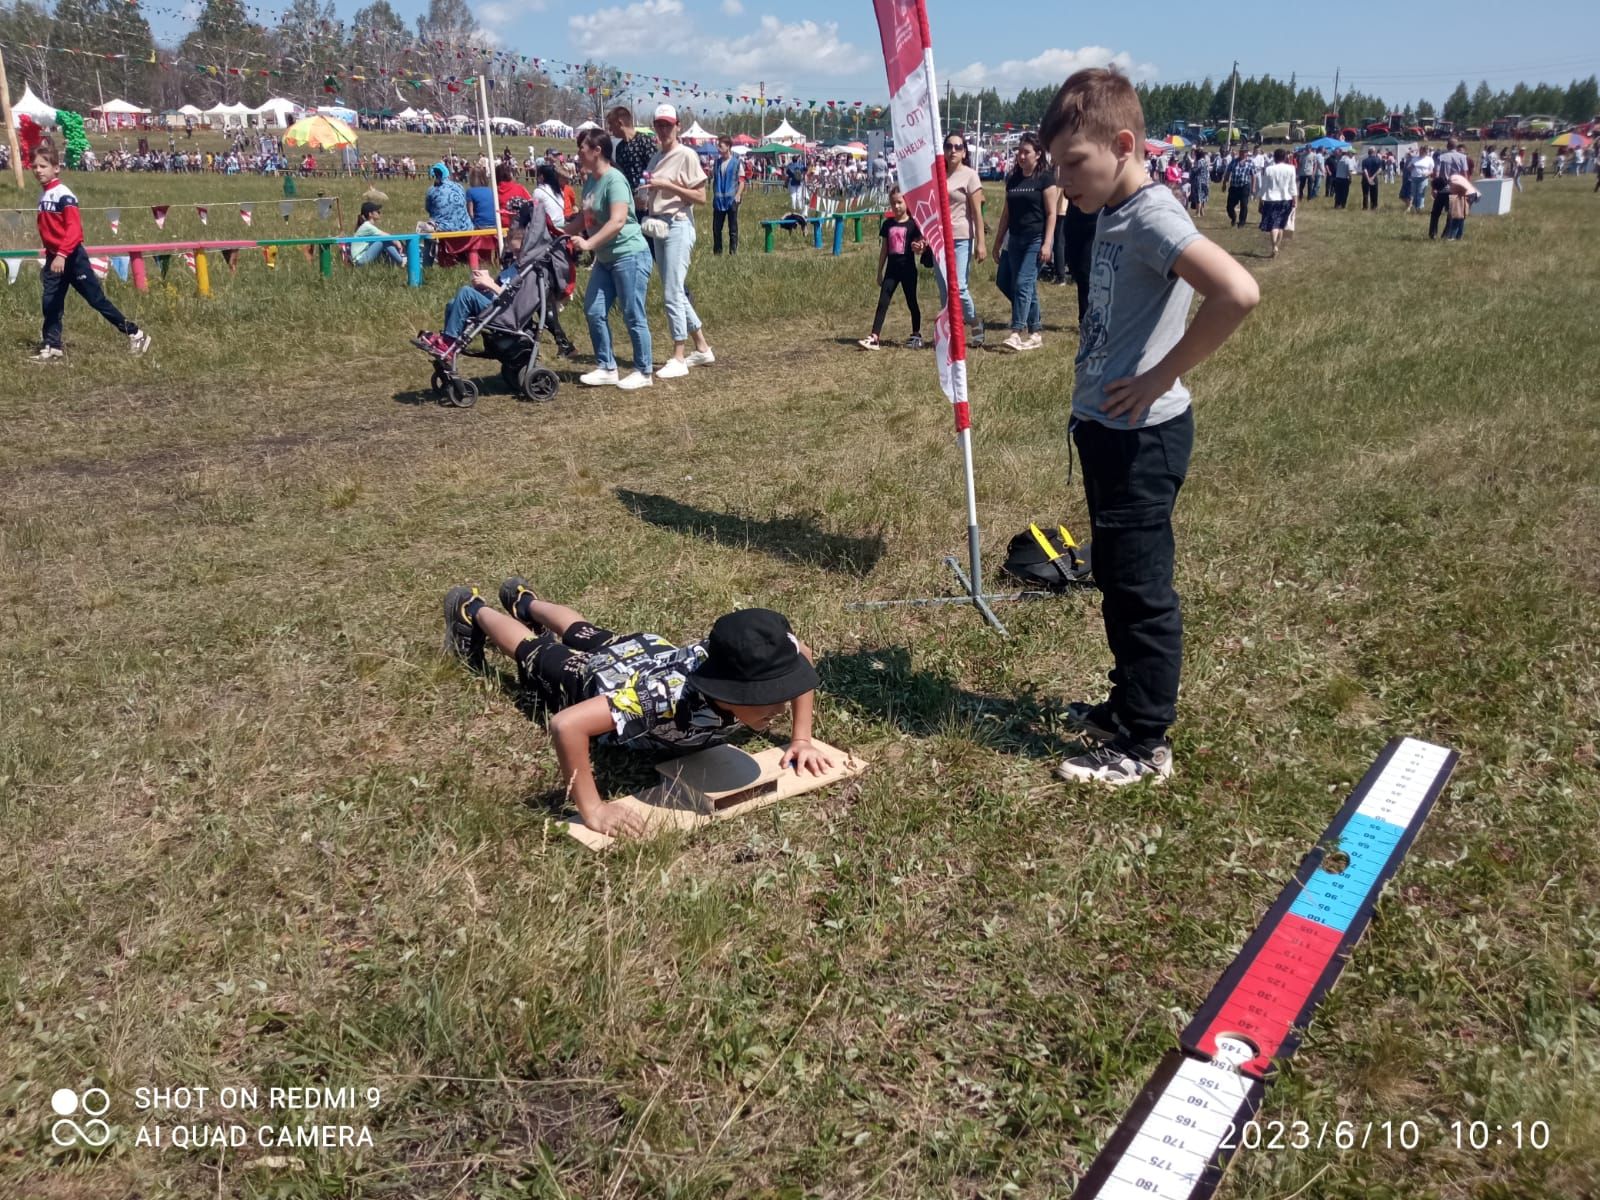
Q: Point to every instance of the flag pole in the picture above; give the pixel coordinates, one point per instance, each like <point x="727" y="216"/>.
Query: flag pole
<point x="488" y="145"/>
<point x="11" y="129"/>
<point x="919" y="163"/>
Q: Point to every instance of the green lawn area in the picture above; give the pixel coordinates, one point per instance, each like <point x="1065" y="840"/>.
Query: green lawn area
<point x="258" y="832"/>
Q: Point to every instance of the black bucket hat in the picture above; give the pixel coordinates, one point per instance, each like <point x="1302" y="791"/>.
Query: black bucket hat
<point x="753" y="657"/>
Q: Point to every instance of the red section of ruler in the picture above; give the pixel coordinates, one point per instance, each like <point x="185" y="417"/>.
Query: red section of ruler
<point x="1274" y="990"/>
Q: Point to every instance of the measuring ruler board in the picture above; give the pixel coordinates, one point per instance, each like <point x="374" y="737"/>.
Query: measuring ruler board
<point x="1174" y="1143"/>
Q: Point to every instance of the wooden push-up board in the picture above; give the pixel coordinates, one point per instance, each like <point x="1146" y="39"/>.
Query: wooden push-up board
<point x="719" y="783"/>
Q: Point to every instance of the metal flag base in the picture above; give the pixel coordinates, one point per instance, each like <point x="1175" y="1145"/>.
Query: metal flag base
<point x="978" y="600"/>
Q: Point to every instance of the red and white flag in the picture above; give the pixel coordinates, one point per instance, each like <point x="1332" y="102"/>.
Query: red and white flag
<point x="200" y="211"/>
<point x="114" y="216"/>
<point x="159" y="212"/>
<point x="245" y="213"/>
<point x="188" y="260"/>
<point x="100" y="266"/>
<point x="908" y="57"/>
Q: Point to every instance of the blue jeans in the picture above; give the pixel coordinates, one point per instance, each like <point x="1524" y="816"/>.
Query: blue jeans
<point x="468" y="303"/>
<point x="1018" y="281"/>
<point x="1455" y="228"/>
<point x="672" y="260"/>
<point x="969" y="310"/>
<point x="1314" y="189"/>
<point x="624" y="282"/>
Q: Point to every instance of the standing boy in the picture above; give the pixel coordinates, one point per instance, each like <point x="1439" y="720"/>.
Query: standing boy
<point x="67" y="262"/>
<point x="727" y="192"/>
<point x="1131" y="420"/>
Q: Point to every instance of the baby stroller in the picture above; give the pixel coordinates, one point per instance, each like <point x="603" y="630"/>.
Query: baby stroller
<point x="547" y="270"/>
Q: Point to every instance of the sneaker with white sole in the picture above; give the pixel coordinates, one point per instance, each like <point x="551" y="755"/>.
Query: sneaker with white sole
<point x="975" y="334"/>
<point x="138" y="342"/>
<point x="673" y="368"/>
<point x="1094" y="722"/>
<point x="701" y="358"/>
<point x="599" y="377"/>
<point x="1014" y="342"/>
<point x="1033" y="341"/>
<point x="46" y="354"/>
<point x="914" y="342"/>
<point x="1118" y="763"/>
<point x="870" y="342"/>
<point x="630" y="383"/>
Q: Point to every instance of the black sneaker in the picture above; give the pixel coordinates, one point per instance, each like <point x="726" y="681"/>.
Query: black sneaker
<point x="975" y="337"/>
<point x="462" y="637"/>
<point x="914" y="342"/>
<point x="1094" y="722"/>
<point x="1118" y="763"/>
<point x="514" y="596"/>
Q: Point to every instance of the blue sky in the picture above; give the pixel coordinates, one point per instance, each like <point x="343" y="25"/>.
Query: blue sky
<point x="829" y="48"/>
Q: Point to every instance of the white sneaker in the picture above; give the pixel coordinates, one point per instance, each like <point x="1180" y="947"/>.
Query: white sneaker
<point x="870" y="342"/>
<point x="637" y="380"/>
<point x="673" y="368"/>
<point x="1014" y="342"/>
<point x="47" y="354"/>
<point x="701" y="358"/>
<point x="599" y="377"/>
<point x="139" y="342"/>
<point x="1033" y="341"/>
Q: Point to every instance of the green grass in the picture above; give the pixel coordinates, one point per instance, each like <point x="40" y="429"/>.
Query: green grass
<point x="258" y="833"/>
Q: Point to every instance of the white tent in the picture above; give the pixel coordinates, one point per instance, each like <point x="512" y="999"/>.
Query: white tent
<point x="347" y="115"/>
<point x="277" y="112"/>
<point x="697" y="134"/>
<point x="34" y="107"/>
<point x="555" y="128"/>
<point x="588" y="125"/>
<point x="119" y="114"/>
<point x="407" y="114"/>
<point x="787" y="134"/>
<point x="229" y="115"/>
<point x="507" y="124"/>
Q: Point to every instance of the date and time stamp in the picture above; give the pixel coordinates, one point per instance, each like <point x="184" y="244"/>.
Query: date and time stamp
<point x="1405" y="1134"/>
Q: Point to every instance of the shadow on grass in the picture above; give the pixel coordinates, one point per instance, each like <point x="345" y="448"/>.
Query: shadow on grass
<point x="882" y="684"/>
<point x="792" y="539"/>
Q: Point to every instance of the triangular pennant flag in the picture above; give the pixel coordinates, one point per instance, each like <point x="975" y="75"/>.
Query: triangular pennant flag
<point x="245" y="213"/>
<point x="13" y="269"/>
<point x="159" y="212"/>
<point x="324" y="207"/>
<point x="114" y="215"/>
<point x="310" y="253"/>
<point x="188" y="260"/>
<point x="285" y="208"/>
<point x="270" y="254"/>
<point x="119" y="264"/>
<point x="231" y="257"/>
<point x="201" y="212"/>
<point x="100" y="266"/>
<point x="163" y="261"/>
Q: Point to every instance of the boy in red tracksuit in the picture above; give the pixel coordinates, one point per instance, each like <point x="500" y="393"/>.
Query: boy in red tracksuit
<point x="67" y="262"/>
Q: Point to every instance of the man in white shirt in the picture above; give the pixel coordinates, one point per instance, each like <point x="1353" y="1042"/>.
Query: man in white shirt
<point x="1277" y="197"/>
<point x="1421" y="179"/>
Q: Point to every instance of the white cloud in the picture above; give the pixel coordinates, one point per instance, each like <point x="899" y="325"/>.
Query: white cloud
<point x="498" y="12"/>
<point x="815" y="48"/>
<point x="1049" y="67"/>
<point x="732" y="8"/>
<point x="660" y="27"/>
<point x="654" y="25"/>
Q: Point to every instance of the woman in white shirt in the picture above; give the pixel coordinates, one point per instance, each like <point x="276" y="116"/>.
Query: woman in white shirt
<point x="1421" y="177"/>
<point x="1277" y="197"/>
<point x="674" y="183"/>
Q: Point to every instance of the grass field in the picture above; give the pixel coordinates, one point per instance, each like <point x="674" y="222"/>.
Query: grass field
<point x="258" y="832"/>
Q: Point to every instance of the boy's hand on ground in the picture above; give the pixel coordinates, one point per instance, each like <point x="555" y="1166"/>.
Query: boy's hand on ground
<point x="1132" y="395"/>
<point x="803" y="756"/>
<point x="616" y="820"/>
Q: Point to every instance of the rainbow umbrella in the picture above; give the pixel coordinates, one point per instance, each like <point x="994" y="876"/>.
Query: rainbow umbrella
<point x="320" y="133"/>
<point x="1576" y="140"/>
<point x="1176" y="142"/>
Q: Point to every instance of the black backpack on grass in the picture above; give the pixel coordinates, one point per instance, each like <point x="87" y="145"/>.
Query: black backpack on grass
<point x="1052" y="561"/>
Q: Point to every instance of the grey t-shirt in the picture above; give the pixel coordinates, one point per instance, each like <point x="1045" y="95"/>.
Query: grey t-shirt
<point x="1137" y="308"/>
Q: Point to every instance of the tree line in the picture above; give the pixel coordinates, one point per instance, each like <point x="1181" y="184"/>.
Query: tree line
<point x="1264" y="100"/>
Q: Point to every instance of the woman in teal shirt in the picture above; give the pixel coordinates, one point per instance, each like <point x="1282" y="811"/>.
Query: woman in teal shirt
<point x="606" y="224"/>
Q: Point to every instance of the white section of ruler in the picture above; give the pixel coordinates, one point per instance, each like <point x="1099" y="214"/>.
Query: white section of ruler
<point x="1180" y="1134"/>
<point x="1403" y="785"/>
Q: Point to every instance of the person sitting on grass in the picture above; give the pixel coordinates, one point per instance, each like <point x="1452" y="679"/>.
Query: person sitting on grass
<point x="639" y="690"/>
<point x="364" y="254"/>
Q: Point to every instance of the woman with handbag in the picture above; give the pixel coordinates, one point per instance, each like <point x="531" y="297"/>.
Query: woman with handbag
<point x="674" y="183"/>
<point x="620" y="273"/>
